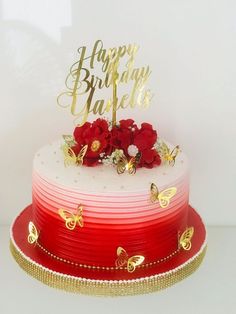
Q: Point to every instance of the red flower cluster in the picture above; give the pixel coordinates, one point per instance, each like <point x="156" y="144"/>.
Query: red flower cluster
<point x="97" y="136"/>
<point x="100" y="140"/>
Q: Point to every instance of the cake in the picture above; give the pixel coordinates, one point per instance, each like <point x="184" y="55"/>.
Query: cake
<point x="110" y="228"/>
<point x="116" y="211"/>
<point x="110" y="212"/>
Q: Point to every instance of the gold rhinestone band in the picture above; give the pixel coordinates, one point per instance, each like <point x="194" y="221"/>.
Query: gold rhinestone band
<point x="106" y="287"/>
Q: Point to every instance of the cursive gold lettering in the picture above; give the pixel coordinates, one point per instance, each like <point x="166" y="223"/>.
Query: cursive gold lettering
<point x="83" y="82"/>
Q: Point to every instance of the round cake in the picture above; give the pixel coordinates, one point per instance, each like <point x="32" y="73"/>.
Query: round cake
<point x="92" y="230"/>
<point x="116" y="210"/>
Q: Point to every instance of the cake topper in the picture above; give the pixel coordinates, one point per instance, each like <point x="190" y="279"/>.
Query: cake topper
<point x="103" y="81"/>
<point x="85" y="83"/>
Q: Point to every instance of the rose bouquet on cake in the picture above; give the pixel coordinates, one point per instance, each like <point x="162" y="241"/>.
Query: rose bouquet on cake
<point x="101" y="143"/>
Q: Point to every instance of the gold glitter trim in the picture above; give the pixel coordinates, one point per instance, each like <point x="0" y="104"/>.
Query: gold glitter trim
<point x="105" y="287"/>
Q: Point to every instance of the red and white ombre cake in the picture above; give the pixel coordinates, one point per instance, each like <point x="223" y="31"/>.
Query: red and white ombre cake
<point x="116" y="210"/>
<point x="94" y="231"/>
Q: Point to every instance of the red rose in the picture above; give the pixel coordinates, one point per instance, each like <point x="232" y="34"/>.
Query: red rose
<point x="80" y="133"/>
<point x="127" y="124"/>
<point x="150" y="158"/>
<point x="122" y="136"/>
<point x="96" y="136"/>
<point x="146" y="137"/>
<point x="100" y="140"/>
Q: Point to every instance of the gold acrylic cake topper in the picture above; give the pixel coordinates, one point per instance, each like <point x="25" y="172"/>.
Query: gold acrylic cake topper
<point x="71" y="219"/>
<point x="163" y="197"/>
<point x="185" y="239"/>
<point x="131" y="262"/>
<point x="117" y="67"/>
<point x="166" y="154"/>
<point x="33" y="233"/>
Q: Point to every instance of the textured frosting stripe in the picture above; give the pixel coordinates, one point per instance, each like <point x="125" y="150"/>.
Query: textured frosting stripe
<point x="124" y="219"/>
<point x="89" y="242"/>
<point x="65" y="194"/>
<point x="46" y="185"/>
<point x="116" y="207"/>
<point x="53" y="200"/>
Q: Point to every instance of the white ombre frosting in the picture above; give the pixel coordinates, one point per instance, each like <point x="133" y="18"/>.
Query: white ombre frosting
<point x="106" y="194"/>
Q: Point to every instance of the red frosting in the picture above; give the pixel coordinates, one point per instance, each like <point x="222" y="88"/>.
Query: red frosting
<point x="20" y="234"/>
<point x="96" y="243"/>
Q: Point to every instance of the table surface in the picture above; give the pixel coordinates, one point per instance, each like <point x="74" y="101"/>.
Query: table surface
<point x="209" y="290"/>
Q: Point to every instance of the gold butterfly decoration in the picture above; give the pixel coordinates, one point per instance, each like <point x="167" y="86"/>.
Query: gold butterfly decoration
<point x="70" y="158"/>
<point x="162" y="197"/>
<point x="71" y="219"/>
<point x="123" y="164"/>
<point x="33" y="233"/>
<point x="168" y="155"/>
<point x="130" y="262"/>
<point x="185" y="239"/>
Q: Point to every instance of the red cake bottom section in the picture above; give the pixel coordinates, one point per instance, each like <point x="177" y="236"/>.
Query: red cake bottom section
<point x="97" y="242"/>
<point x="27" y="254"/>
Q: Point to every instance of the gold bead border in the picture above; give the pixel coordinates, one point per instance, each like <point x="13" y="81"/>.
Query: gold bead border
<point x="106" y="287"/>
<point x="104" y="268"/>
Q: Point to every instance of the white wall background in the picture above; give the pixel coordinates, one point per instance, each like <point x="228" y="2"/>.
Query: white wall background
<point x="191" y="48"/>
